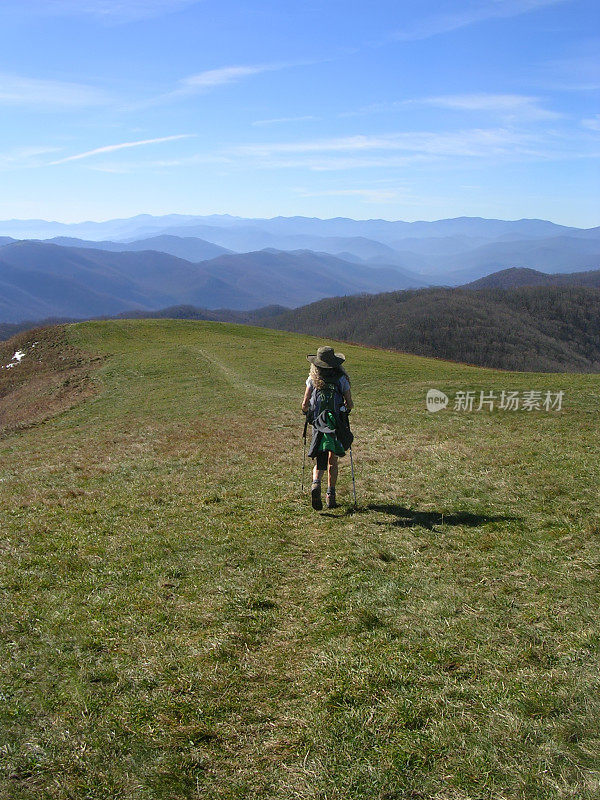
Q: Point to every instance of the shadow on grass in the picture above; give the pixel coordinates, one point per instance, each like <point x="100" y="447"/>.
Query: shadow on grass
<point x="344" y="510"/>
<point x="410" y="518"/>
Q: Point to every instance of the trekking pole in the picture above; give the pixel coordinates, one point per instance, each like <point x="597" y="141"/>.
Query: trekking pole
<point x="353" y="481"/>
<point x="304" y="454"/>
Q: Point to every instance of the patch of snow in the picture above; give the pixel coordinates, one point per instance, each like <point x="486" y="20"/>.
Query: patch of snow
<point x="16" y="359"/>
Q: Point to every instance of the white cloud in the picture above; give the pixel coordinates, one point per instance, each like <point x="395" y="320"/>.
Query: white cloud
<point x="209" y="79"/>
<point x="579" y="72"/>
<point x="107" y="10"/>
<point x="369" y="195"/>
<point x="511" y="106"/>
<point x="593" y="123"/>
<point x="48" y="94"/>
<point x="508" y="106"/>
<point x="372" y="108"/>
<point x="470" y="142"/>
<point x="206" y="81"/>
<point x="471" y="13"/>
<point x="408" y="148"/>
<point x="325" y="163"/>
<point x="111" y="148"/>
<point x="159" y="165"/>
<point x="279" y="120"/>
<point x="24" y="157"/>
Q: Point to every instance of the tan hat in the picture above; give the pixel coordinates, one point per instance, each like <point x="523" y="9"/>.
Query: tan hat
<point x="326" y="358"/>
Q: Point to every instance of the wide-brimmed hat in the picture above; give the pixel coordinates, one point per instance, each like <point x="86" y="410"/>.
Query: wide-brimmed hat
<point x="326" y="358"/>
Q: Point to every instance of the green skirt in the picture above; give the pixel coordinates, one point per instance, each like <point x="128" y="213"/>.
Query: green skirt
<point x="329" y="441"/>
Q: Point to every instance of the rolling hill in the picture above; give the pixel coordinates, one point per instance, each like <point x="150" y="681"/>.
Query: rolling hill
<point x="249" y="238"/>
<point x="39" y="279"/>
<point x="190" y="249"/>
<point x="516" y="277"/>
<point x="542" y="328"/>
<point x="179" y="623"/>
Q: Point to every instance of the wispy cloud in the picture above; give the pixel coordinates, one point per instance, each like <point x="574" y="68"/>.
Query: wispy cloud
<point x="373" y="108"/>
<point x="470" y="142"/>
<point x="406" y="148"/>
<point x="112" y="11"/>
<point x="18" y="90"/>
<point x="111" y="148"/>
<point x="208" y="80"/>
<point x="159" y="165"/>
<point x="211" y="78"/>
<point x="592" y="124"/>
<point x="579" y="72"/>
<point x="279" y="120"/>
<point x="471" y="13"/>
<point x="369" y="195"/>
<point x="509" y="106"/>
<point x="25" y="157"/>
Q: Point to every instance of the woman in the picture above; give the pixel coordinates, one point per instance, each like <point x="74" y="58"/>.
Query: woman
<point x="327" y="400"/>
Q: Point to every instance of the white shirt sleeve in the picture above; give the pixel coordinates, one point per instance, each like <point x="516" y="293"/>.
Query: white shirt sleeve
<point x="309" y="382"/>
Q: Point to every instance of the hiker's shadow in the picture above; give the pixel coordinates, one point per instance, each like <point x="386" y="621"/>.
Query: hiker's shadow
<point x="410" y="518"/>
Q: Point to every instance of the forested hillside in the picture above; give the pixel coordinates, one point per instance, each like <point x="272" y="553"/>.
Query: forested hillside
<point x="516" y="277"/>
<point x="539" y="328"/>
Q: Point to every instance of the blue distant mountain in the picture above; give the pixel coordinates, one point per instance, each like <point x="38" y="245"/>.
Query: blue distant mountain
<point x="444" y="251"/>
<point x="221" y="261"/>
<point x="43" y="279"/>
<point x="190" y="248"/>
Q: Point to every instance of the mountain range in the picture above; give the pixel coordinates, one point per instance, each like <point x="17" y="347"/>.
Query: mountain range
<point x="443" y="252"/>
<point x="223" y="261"/>
<point x="387" y="232"/>
<point x="41" y="279"/>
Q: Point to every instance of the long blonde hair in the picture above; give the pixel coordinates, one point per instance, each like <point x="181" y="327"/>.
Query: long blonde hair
<point x="321" y="376"/>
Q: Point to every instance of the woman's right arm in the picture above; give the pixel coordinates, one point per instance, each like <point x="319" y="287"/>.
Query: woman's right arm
<point x="306" y="400"/>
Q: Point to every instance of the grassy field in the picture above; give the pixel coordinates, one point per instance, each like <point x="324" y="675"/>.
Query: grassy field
<point x="177" y="622"/>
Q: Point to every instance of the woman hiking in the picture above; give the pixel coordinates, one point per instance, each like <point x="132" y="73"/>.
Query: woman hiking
<point x="327" y="401"/>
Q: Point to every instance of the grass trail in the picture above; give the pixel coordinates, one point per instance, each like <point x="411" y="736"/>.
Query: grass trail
<point x="178" y="622"/>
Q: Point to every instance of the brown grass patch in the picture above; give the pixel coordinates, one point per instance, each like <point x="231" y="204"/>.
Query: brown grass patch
<point x="51" y="377"/>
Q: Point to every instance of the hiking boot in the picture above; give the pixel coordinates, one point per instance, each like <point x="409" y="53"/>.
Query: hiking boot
<point x="330" y="498"/>
<point x="315" y="496"/>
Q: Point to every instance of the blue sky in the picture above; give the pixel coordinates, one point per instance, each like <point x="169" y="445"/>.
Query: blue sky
<point x="391" y="109"/>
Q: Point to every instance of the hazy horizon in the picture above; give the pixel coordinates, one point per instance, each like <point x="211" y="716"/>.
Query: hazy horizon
<point x="84" y="220"/>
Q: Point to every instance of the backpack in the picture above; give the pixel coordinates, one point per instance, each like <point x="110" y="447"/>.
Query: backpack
<point x="329" y="398"/>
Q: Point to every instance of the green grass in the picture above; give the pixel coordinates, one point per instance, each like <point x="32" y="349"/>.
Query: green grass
<point x="178" y="623"/>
